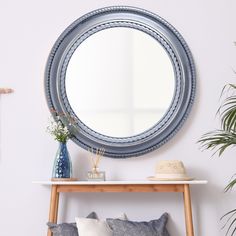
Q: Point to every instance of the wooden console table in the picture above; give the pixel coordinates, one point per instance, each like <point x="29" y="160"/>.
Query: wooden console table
<point x="123" y="186"/>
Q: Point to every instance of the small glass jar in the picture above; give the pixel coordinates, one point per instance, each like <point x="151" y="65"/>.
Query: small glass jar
<point x="96" y="175"/>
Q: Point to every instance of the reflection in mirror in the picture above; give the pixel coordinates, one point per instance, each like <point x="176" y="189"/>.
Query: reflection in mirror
<point x="120" y="82"/>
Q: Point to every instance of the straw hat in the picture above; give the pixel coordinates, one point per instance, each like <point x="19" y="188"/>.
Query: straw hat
<point x="170" y="170"/>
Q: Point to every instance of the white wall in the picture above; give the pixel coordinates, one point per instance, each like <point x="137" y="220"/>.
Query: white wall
<point x="28" y="30"/>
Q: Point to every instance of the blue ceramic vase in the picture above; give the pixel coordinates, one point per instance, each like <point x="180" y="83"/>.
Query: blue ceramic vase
<point x="62" y="167"/>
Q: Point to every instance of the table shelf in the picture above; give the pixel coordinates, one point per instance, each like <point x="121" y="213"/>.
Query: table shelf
<point x="58" y="187"/>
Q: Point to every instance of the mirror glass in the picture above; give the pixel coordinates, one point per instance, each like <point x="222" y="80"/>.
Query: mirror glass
<point x="120" y="82"/>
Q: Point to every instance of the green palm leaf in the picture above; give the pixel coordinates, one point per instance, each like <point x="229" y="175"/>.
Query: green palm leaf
<point x="230" y="221"/>
<point x="231" y="184"/>
<point x="218" y="140"/>
<point x="227" y="110"/>
<point x="232" y="212"/>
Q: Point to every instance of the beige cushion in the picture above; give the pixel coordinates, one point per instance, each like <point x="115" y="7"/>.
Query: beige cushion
<point x="92" y="227"/>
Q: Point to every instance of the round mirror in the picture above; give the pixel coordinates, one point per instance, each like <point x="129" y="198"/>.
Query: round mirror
<point x="125" y="76"/>
<point x="128" y="81"/>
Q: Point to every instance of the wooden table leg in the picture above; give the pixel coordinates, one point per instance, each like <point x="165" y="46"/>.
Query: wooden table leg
<point x="188" y="211"/>
<point x="53" y="211"/>
<point x="57" y="205"/>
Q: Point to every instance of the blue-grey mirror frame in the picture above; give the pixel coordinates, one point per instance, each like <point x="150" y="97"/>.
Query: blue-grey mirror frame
<point x="156" y="27"/>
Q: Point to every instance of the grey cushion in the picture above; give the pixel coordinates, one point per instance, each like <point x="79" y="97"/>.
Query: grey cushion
<point x="130" y="228"/>
<point x="67" y="229"/>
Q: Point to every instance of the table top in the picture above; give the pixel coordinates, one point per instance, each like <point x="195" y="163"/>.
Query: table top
<point x="126" y="182"/>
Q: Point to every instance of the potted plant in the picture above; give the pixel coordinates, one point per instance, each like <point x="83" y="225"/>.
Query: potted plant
<point x="219" y="140"/>
<point x="62" y="168"/>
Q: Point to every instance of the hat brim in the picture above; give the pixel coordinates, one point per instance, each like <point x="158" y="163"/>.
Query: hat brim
<point x="153" y="178"/>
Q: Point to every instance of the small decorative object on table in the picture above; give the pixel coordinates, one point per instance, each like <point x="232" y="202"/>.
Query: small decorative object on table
<point x="172" y="170"/>
<point x="62" y="168"/>
<point x="95" y="174"/>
